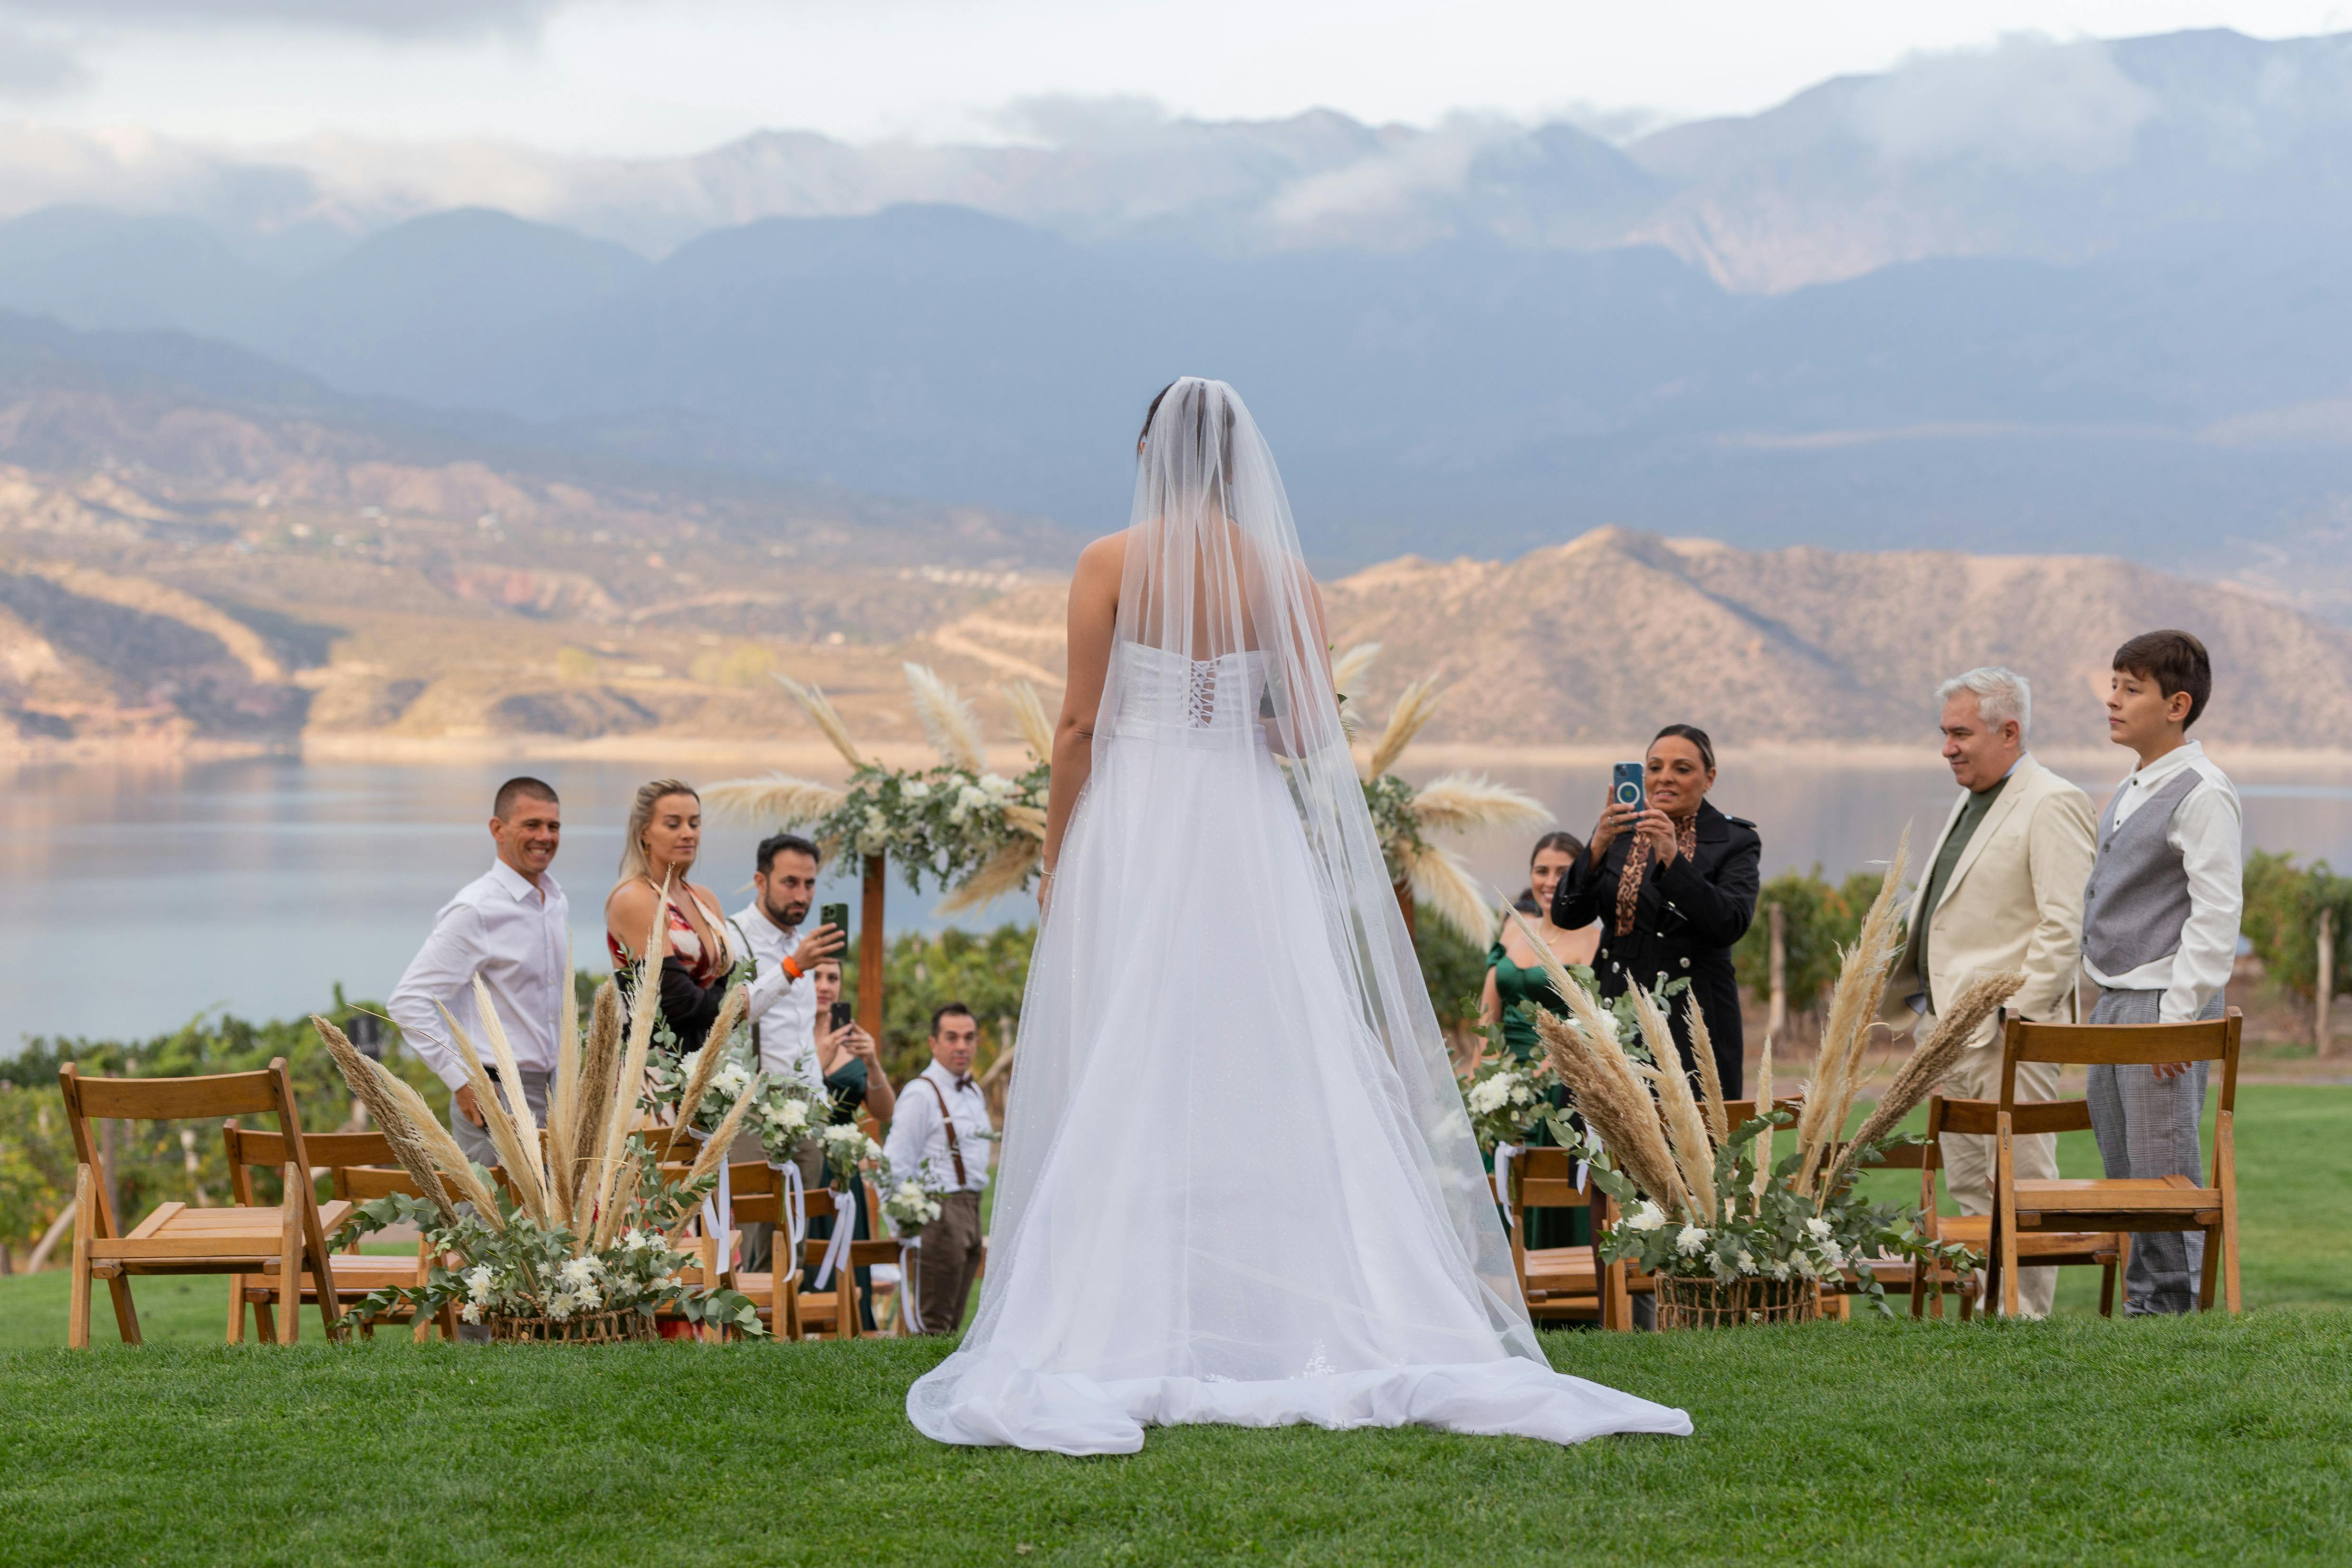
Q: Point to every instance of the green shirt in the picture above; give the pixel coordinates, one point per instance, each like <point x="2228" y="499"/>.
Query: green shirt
<point x="1971" y="813"/>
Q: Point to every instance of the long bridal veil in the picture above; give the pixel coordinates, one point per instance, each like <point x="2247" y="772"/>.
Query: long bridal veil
<point x="1237" y="1182"/>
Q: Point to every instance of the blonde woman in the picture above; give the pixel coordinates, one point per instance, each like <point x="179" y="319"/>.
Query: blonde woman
<point x="657" y="853"/>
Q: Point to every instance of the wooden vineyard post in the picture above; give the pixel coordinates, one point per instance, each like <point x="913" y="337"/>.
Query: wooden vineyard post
<point x="871" y="951"/>
<point x="2326" y="980"/>
<point x="1775" y="1023"/>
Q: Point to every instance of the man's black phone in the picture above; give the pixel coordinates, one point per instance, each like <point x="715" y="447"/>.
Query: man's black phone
<point x="1625" y="785"/>
<point x="837" y="916"/>
<point x="841" y="1013"/>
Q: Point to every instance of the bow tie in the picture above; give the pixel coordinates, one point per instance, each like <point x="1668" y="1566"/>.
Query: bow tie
<point x="964" y="1082"/>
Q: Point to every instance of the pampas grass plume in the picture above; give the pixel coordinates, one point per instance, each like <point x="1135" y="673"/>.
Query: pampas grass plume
<point x="1414" y="709"/>
<point x="1004" y="872"/>
<point x="812" y="702"/>
<point x="1029" y="718"/>
<point x="778" y="799"/>
<point x="366" y="1080"/>
<point x="948" y="718"/>
<point x="1459" y="803"/>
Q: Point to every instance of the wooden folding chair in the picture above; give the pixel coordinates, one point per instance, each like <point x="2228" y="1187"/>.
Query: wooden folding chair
<point x="2125" y="1203"/>
<point x="357" y="1274"/>
<point x="835" y="1309"/>
<point x="2104" y="1250"/>
<point x="176" y="1238"/>
<point x="1560" y="1284"/>
<point x="760" y="1198"/>
<point x="1927" y="1286"/>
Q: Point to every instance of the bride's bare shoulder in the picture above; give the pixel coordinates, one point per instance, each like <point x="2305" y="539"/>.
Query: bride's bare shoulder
<point x="1100" y="565"/>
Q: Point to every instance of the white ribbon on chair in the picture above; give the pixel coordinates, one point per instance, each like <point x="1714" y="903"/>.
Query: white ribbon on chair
<point x="718" y="1219"/>
<point x="1504" y="1154"/>
<point x="1584" y="1167"/>
<point x="845" y="1228"/>
<point x="795" y="1208"/>
<point x="910" y="1258"/>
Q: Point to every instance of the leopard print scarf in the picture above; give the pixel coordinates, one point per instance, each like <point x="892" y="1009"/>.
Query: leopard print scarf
<point x="1637" y="862"/>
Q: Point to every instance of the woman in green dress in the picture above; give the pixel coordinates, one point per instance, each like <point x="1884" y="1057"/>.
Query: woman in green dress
<point x="852" y="1064"/>
<point x="1515" y="974"/>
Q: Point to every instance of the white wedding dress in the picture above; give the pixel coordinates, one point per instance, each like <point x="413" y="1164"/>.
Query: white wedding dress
<point x="1237" y="1182"/>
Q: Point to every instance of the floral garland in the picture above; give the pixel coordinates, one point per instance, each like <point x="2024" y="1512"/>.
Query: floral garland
<point x="945" y="823"/>
<point x="1390" y="801"/>
<point x="1766" y="1229"/>
<point x="523" y="1268"/>
<point x="783" y="1110"/>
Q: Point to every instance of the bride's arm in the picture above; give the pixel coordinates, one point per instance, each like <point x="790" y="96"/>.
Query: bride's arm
<point x="1094" y="617"/>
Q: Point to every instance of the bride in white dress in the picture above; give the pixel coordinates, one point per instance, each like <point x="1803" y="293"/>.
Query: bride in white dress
<point x="1237" y="1182"/>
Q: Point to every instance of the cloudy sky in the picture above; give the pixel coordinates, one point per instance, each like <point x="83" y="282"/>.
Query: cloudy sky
<point x="650" y="77"/>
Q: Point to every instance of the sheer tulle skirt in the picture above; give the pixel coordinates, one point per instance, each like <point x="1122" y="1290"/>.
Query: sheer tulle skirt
<point x="1213" y="1204"/>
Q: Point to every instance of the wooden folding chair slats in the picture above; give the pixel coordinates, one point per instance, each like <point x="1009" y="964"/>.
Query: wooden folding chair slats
<point x="176" y="1239"/>
<point x="2115" y="1206"/>
<point x="1558" y="1284"/>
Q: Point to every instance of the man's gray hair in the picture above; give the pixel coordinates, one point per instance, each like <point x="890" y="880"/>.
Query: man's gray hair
<point x="2003" y="694"/>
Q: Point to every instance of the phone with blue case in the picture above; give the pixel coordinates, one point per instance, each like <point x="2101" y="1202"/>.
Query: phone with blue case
<point x="1625" y="785"/>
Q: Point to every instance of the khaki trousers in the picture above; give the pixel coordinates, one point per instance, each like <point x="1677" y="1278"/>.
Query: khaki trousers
<point x="1968" y="1160"/>
<point x="947" y="1262"/>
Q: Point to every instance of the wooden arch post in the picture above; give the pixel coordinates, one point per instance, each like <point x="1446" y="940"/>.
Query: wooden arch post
<point x="871" y="949"/>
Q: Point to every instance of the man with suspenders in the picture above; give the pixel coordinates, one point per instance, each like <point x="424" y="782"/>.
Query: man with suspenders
<point x="941" y="1130"/>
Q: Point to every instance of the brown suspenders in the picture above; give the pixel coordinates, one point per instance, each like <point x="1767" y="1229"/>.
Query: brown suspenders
<point x="955" y="1149"/>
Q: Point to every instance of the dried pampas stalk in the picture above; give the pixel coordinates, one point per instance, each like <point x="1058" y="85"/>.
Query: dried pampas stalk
<point x="1710" y="1077"/>
<point x="1929" y="1061"/>
<point x="1351" y="664"/>
<point x="504" y="1135"/>
<point x="511" y="1071"/>
<point x="811" y="700"/>
<point x="1029" y="718"/>
<point x="1595" y="1022"/>
<point x="1764" y="1110"/>
<point x="563" y="1097"/>
<point x="1028" y="819"/>
<point x="1618" y="1109"/>
<point x="1685" y="1129"/>
<point x="600" y="1067"/>
<point x="1004" y="872"/>
<point x="366" y="1079"/>
<point x="644" y="1005"/>
<point x="715" y="1151"/>
<point x="1458" y="802"/>
<point x="948" y="720"/>
<point x="444" y="1153"/>
<point x="1442" y="885"/>
<point x="713" y="1052"/>
<point x="1412" y="711"/>
<point x="1853" y="1008"/>
<point x="779" y="798"/>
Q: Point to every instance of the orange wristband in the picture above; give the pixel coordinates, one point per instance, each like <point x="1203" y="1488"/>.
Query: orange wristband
<point x="791" y="968"/>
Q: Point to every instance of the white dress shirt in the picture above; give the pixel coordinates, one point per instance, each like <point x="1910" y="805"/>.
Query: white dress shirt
<point x="919" y="1138"/>
<point x="2208" y="834"/>
<point x="785" y="1008"/>
<point x="518" y="938"/>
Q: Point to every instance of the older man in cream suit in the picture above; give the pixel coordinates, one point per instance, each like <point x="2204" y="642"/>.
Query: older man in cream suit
<point x="2003" y="890"/>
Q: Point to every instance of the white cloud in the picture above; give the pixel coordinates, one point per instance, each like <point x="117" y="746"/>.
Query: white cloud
<point x="33" y="67"/>
<point x="2026" y="103"/>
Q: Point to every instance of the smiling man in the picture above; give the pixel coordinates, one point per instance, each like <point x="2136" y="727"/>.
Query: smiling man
<point x="512" y="926"/>
<point x="2003" y="890"/>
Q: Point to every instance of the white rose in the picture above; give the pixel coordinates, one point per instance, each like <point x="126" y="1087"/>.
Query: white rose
<point x="792" y="1116"/>
<point x="1649" y="1216"/>
<point x="1820" y="1227"/>
<point x="1689" y="1240"/>
<point x="469" y="1313"/>
<point x="1779" y="1270"/>
<point x="996" y="785"/>
<point x="480" y="1281"/>
<point x="917" y="789"/>
<point x="1486" y="1097"/>
<point x="1520" y="1094"/>
<point x="578" y="1273"/>
<point x="1747" y="1262"/>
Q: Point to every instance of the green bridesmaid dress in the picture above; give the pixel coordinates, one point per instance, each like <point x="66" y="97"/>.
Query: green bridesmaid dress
<point x="1513" y="986"/>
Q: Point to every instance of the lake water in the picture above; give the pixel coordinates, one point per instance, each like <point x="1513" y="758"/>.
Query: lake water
<point x="137" y="898"/>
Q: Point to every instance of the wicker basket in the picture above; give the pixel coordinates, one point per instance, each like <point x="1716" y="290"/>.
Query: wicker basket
<point x="1688" y="1303"/>
<point x="589" y="1329"/>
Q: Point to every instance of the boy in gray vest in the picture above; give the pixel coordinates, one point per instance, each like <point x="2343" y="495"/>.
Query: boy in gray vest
<point x="2160" y="934"/>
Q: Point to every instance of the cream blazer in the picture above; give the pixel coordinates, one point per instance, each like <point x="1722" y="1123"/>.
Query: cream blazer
<point x="2014" y="900"/>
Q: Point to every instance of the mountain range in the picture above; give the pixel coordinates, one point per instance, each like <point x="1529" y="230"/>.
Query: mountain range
<point x="2081" y="297"/>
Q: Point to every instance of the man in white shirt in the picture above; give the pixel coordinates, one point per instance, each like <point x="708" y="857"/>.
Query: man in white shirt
<point x="511" y="926"/>
<point x="942" y="1131"/>
<point x="781" y="1000"/>
<point x="2159" y="936"/>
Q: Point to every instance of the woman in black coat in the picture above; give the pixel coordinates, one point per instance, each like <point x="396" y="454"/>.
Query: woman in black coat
<point x="1687" y="898"/>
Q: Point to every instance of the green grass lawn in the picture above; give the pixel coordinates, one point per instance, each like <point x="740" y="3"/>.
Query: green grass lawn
<point x="2206" y="1440"/>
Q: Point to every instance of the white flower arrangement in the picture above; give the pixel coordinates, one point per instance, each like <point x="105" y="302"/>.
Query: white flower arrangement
<point x="781" y="1111"/>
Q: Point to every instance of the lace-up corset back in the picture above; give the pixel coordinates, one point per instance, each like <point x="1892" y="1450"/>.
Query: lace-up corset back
<point x="1168" y="697"/>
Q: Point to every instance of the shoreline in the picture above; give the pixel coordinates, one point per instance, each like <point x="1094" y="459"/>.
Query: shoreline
<point x="818" y="757"/>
